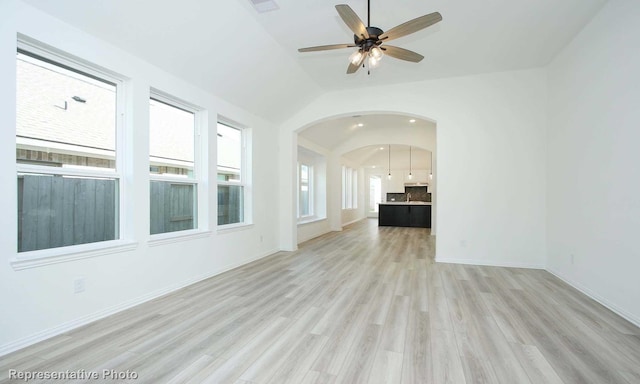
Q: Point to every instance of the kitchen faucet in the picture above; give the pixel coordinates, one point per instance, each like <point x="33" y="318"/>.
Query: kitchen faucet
<point x="408" y="197"/>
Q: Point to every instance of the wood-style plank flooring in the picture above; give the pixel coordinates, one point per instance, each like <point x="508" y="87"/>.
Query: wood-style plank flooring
<point x="366" y="305"/>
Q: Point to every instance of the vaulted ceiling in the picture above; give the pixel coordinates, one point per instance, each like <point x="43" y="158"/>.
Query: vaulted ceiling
<point x="251" y="59"/>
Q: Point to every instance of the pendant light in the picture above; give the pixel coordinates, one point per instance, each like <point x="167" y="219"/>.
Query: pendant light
<point x="410" y="175"/>
<point x="389" y="175"/>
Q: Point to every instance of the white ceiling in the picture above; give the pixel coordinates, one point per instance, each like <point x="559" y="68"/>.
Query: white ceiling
<point x="362" y="145"/>
<point x="251" y="59"/>
<point x="330" y="134"/>
<point x="474" y="36"/>
<point x="377" y="157"/>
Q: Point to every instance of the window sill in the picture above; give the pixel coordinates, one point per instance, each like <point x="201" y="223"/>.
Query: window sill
<point x="228" y="228"/>
<point x="173" y="237"/>
<point x="34" y="259"/>
<point x="310" y="220"/>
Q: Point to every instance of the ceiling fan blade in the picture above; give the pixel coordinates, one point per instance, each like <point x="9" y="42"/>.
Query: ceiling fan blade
<point x="354" y="67"/>
<point x="411" y="26"/>
<point x="401" y="53"/>
<point x="352" y="20"/>
<point x="326" y="47"/>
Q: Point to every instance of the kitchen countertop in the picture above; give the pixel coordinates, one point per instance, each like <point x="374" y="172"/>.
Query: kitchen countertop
<point x="406" y="203"/>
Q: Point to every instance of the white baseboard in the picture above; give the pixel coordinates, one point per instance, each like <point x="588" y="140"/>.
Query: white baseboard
<point x="489" y="263"/>
<point x="70" y="325"/>
<point x="619" y="311"/>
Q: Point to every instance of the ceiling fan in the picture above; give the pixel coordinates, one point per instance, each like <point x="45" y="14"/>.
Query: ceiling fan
<point x="369" y="40"/>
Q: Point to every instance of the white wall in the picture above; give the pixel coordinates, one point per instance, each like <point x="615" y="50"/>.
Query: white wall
<point x="490" y="162"/>
<point x="593" y="209"/>
<point x="39" y="302"/>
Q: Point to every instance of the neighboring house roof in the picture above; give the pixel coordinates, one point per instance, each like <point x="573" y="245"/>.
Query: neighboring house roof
<point x="46" y="110"/>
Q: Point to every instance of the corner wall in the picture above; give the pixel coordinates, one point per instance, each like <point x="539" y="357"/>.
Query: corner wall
<point x="593" y="209"/>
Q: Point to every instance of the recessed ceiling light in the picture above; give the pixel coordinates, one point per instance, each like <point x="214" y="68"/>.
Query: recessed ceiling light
<point x="360" y="125"/>
<point x="373" y="166"/>
<point x="381" y="148"/>
<point x="412" y="120"/>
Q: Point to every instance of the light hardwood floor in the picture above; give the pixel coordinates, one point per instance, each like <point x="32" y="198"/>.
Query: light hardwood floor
<point x="367" y="305"/>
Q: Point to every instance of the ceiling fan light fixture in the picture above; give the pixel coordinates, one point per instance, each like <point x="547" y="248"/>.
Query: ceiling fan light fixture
<point x="373" y="62"/>
<point x="356" y="57"/>
<point x="369" y="39"/>
<point x="376" y="53"/>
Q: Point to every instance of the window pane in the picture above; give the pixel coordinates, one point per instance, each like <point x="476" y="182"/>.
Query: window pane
<point x="171" y="139"/>
<point x="57" y="211"/>
<point x="344" y="187"/>
<point x="64" y="118"/>
<point x="230" y="204"/>
<point x="304" y="201"/>
<point x="305" y="193"/>
<point x="229" y="153"/>
<point x="173" y="207"/>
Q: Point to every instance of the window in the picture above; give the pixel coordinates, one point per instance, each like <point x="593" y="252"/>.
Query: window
<point x="305" y="190"/>
<point x="67" y="161"/>
<point x="172" y="147"/>
<point x="345" y="186"/>
<point x="231" y="177"/>
<point x="349" y="188"/>
<point x="354" y="189"/>
<point x="311" y="195"/>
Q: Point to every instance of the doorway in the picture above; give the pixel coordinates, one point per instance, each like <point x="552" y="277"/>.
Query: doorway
<point x="375" y="195"/>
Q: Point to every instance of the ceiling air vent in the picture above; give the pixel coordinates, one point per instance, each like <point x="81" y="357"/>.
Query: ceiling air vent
<point x="263" y="6"/>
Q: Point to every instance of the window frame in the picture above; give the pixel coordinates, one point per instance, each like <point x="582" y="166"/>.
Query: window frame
<point x="245" y="175"/>
<point x="198" y="172"/>
<point x="46" y="256"/>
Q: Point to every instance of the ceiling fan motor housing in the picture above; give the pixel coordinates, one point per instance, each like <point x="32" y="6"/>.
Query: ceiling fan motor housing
<point x="372" y="41"/>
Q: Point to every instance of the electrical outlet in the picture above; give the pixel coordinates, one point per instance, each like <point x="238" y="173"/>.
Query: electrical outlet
<point x="261" y="238"/>
<point x="78" y="285"/>
<point x="572" y="258"/>
<point x="463" y="243"/>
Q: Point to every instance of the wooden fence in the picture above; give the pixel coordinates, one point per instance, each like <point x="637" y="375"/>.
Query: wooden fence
<point x="56" y="211"/>
<point x="230" y="204"/>
<point x="172" y="206"/>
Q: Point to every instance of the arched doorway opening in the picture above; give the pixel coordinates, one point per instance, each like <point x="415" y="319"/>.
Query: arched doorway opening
<point x="351" y="152"/>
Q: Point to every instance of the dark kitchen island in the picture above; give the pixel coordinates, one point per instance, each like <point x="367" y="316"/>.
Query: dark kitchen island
<point x="405" y="214"/>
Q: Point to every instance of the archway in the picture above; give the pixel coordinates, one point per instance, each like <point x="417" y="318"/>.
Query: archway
<point x="339" y="136"/>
